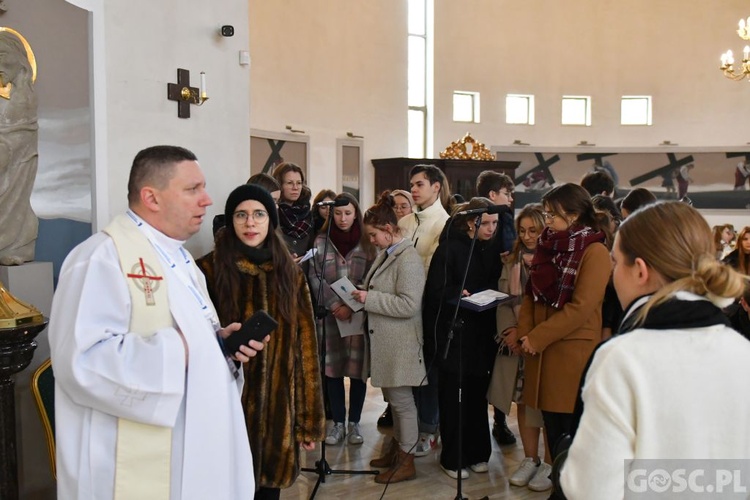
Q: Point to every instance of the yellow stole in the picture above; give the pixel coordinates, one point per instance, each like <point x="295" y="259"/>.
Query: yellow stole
<point x="142" y="466"/>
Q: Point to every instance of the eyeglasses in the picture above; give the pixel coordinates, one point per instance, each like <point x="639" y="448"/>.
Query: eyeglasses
<point x="293" y="183"/>
<point x="259" y="216"/>
<point x="549" y="215"/>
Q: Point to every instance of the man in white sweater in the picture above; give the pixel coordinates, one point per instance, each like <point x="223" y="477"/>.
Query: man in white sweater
<point x="425" y="224"/>
<point x="423" y="227"/>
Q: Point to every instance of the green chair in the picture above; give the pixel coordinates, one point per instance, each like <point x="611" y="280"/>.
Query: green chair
<point x="43" y="387"/>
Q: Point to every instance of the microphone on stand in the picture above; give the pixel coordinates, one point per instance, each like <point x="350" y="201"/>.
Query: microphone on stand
<point x="494" y="209"/>
<point x="341" y="202"/>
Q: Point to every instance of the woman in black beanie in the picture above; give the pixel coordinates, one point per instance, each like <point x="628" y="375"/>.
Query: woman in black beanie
<point x="251" y="269"/>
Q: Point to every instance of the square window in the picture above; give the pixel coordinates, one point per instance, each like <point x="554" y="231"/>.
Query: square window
<point x="519" y="109"/>
<point x="466" y="107"/>
<point x="635" y="110"/>
<point x="576" y="110"/>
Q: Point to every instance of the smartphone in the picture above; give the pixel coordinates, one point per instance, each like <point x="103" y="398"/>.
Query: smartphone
<point x="256" y="327"/>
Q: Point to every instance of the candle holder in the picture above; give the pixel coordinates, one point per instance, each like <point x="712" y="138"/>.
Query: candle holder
<point x="184" y="94"/>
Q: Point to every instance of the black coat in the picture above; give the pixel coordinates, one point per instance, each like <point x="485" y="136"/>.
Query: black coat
<point x="443" y="287"/>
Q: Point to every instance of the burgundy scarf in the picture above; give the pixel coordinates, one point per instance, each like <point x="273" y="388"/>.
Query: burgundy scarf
<point x="295" y="220"/>
<point x="556" y="262"/>
<point x="345" y="241"/>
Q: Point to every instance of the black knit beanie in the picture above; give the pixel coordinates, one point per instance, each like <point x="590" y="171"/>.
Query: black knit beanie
<point x="251" y="192"/>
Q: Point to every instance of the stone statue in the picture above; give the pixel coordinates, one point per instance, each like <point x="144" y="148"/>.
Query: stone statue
<point x="18" y="150"/>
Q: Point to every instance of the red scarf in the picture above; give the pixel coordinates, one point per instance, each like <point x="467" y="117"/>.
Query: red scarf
<point x="556" y="261"/>
<point x="345" y="242"/>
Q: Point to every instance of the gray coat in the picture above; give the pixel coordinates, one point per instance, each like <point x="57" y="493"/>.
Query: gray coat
<point x="395" y="285"/>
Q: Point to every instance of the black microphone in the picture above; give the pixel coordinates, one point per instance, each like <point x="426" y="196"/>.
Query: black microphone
<point x="341" y="202"/>
<point x="493" y="209"/>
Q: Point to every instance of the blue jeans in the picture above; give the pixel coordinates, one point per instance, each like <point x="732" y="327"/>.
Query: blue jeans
<point x="426" y="398"/>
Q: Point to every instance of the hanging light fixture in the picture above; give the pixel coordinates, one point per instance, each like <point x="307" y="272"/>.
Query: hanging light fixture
<point x="727" y="58"/>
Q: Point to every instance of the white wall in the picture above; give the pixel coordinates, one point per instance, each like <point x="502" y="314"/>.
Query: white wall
<point x="337" y="66"/>
<point x="145" y="42"/>
<point x="668" y="49"/>
<point x="328" y="68"/>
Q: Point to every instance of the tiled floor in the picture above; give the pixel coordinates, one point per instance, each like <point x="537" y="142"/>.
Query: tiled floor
<point x="431" y="482"/>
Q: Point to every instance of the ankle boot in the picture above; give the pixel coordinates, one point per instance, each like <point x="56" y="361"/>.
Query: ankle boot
<point x="387" y="459"/>
<point x="402" y="469"/>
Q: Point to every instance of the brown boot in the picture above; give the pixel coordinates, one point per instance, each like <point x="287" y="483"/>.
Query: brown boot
<point x="401" y="470"/>
<point x="387" y="459"/>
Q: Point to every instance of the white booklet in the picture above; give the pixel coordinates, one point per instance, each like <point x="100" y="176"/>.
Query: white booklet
<point x="485" y="297"/>
<point x="344" y="289"/>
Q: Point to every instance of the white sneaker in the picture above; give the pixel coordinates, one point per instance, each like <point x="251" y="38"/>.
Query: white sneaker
<point x="427" y="443"/>
<point x="336" y="434"/>
<point x="480" y="468"/>
<point x="541" y="480"/>
<point x="453" y="474"/>
<point x="353" y="434"/>
<point x="524" y="473"/>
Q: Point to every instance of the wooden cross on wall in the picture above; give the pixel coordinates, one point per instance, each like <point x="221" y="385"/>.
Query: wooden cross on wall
<point x="665" y="170"/>
<point x="182" y="92"/>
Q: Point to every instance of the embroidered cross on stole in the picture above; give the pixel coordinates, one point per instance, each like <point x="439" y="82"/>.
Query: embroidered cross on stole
<point x="143" y="451"/>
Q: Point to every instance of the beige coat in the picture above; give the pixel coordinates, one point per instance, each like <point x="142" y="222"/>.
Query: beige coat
<point x="564" y="338"/>
<point x="395" y="285"/>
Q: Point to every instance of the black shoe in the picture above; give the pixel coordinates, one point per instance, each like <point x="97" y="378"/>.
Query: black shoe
<point x="503" y="435"/>
<point x="386" y="419"/>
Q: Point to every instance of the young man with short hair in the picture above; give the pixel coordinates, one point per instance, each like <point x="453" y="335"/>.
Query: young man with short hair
<point x="423" y="228"/>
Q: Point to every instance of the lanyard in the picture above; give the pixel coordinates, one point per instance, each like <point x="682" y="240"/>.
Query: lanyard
<point x="186" y="281"/>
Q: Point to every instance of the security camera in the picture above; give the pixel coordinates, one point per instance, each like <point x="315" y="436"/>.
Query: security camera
<point x="227" y="30"/>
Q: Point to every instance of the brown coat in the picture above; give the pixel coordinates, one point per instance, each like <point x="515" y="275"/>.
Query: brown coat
<point x="282" y="397"/>
<point x="564" y="338"/>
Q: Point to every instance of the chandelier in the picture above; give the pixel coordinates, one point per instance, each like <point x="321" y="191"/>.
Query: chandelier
<point x="727" y="58"/>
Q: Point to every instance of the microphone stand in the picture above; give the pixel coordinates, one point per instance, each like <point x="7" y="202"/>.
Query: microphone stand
<point x="456" y="327"/>
<point x="322" y="469"/>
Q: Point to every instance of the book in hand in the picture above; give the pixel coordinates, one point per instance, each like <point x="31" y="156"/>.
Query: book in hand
<point x="344" y="289"/>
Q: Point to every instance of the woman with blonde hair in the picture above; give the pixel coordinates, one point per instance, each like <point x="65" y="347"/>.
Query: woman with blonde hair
<point x="507" y="375"/>
<point x="654" y="392"/>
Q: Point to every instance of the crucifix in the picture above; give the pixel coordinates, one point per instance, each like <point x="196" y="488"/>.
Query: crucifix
<point x="184" y="94"/>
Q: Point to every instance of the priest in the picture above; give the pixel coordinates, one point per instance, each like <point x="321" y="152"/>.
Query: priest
<point x="146" y="400"/>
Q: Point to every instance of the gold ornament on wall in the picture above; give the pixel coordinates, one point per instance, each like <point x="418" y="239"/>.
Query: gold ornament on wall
<point x="467" y="148"/>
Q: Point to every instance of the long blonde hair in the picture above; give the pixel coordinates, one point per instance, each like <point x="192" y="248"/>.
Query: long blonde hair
<point x="675" y="241"/>
<point x="535" y="212"/>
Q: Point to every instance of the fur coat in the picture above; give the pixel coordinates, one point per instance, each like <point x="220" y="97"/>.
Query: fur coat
<point x="282" y="398"/>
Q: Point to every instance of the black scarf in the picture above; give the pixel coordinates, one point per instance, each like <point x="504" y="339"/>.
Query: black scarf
<point x="674" y="314"/>
<point x="255" y="255"/>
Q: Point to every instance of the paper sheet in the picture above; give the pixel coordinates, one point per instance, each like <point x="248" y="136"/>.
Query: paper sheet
<point x="344" y="289"/>
<point x="355" y="325"/>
